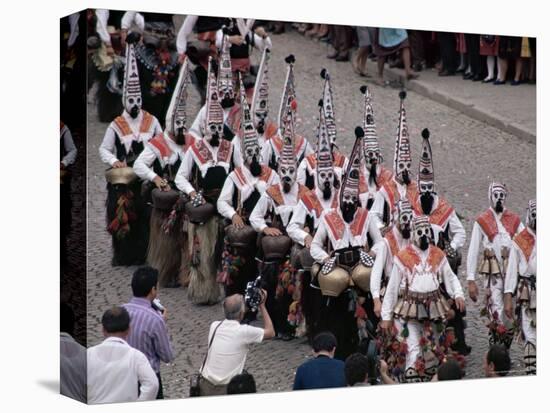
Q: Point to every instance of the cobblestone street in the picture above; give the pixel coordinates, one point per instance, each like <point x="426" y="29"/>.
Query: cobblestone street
<point x="468" y="155"/>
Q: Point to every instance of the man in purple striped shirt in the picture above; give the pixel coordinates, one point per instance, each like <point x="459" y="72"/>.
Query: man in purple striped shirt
<point x="148" y="331"/>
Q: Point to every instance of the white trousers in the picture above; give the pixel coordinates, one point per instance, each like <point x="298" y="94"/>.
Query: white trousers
<point x="413" y="340"/>
<point x="497" y="297"/>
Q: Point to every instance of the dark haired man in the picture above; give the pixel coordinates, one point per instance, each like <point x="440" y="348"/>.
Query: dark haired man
<point x="115" y="368"/>
<point x="323" y="371"/>
<point x="148" y="331"/>
<point x="496" y="362"/>
<point x="242" y="383"/>
<point x="356" y="369"/>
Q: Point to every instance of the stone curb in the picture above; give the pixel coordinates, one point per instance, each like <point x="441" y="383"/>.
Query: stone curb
<point x="469" y="109"/>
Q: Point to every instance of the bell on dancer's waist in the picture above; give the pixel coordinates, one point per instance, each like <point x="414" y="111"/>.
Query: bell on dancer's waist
<point x="335" y="282"/>
<point x="434" y="311"/>
<point x="275" y="248"/>
<point x="164" y="200"/>
<point x="360" y="276"/>
<point x="398" y="306"/>
<point x="422" y="313"/>
<point x="405" y="309"/>
<point x="123" y="176"/>
<point x="244" y="237"/>
<point x="200" y="214"/>
<point x="412" y="311"/>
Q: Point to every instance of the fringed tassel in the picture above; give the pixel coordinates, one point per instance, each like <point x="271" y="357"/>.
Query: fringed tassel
<point x="124" y="215"/>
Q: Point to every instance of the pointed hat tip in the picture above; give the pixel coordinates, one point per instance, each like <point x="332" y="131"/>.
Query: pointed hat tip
<point x="363" y="89"/>
<point x="402" y="95"/>
<point x="290" y="59"/>
<point x="359" y="132"/>
<point x="425" y="133"/>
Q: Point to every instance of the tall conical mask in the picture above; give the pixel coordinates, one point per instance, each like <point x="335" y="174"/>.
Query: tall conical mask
<point x="176" y="115"/>
<point x="214" y="111"/>
<point x="349" y="193"/>
<point x="249" y="143"/>
<point x="426" y="182"/>
<point x="371" y="147"/>
<point x="328" y="107"/>
<point x="289" y="93"/>
<point x="402" y="158"/>
<point x="323" y="152"/>
<point x="261" y="91"/>
<point x="225" y="75"/>
<point x="287" y="167"/>
<point x="131" y="90"/>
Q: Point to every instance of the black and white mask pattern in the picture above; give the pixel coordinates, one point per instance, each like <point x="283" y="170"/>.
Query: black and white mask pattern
<point x="422" y="232"/>
<point x="497" y="196"/>
<point x="131" y="92"/>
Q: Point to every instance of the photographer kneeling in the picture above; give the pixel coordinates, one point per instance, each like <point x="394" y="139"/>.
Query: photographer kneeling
<point x="228" y="345"/>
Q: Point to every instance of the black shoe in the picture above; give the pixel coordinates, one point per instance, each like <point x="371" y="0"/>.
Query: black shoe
<point x="417" y="67"/>
<point x="477" y="78"/>
<point x="467" y="76"/>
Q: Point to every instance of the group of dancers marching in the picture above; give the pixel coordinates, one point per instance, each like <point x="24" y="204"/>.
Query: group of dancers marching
<point x="341" y="243"/>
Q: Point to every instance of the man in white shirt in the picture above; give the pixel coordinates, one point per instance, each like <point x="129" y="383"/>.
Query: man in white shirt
<point x="117" y="372"/>
<point x="413" y="300"/>
<point x="158" y="165"/>
<point x="123" y="142"/>
<point x="400" y="186"/>
<point x="397" y="238"/>
<point x="240" y="193"/>
<point x="270" y="218"/>
<point x="302" y="147"/>
<point x="521" y="282"/>
<point x="493" y="230"/>
<point x="373" y="173"/>
<point x="201" y="176"/>
<point x="226" y="355"/>
<point x="448" y="231"/>
<point x="305" y="221"/>
<point x="340" y="246"/>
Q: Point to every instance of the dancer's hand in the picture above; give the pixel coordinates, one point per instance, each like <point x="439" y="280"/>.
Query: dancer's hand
<point x="460" y="304"/>
<point x="377" y="307"/>
<point x="508" y="307"/>
<point x="386" y="325"/>
<point x="119" y="164"/>
<point x="307" y="241"/>
<point x="272" y="232"/>
<point x="237" y="221"/>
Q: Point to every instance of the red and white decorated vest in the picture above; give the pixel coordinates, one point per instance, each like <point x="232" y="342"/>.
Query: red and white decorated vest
<point x="384" y="176"/>
<point x="391" y="193"/>
<point x="336" y="224"/>
<point x="410" y="258"/>
<point x="487" y="222"/>
<point x="526" y="243"/>
<point x="203" y="156"/>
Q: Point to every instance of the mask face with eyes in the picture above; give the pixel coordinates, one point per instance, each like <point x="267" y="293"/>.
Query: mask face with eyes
<point x="403" y="172"/>
<point x="325" y="181"/>
<point x="422" y="232"/>
<point x="132" y="105"/>
<point x="349" y="206"/>
<point x="404" y="218"/>
<point x="426" y="197"/>
<point x="497" y="196"/>
<point x="287" y="175"/>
